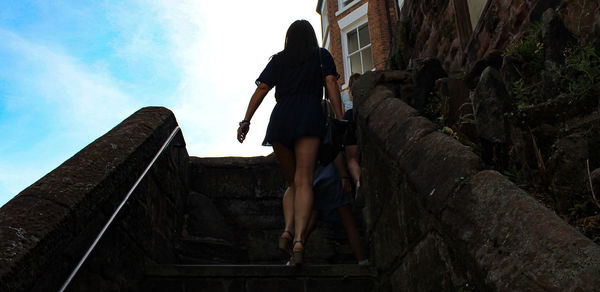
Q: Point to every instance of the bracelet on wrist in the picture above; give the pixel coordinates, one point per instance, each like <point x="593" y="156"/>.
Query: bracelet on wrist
<point x="244" y="121"/>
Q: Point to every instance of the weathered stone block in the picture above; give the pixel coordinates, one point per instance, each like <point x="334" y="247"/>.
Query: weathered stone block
<point x="204" y="220"/>
<point x="425" y="73"/>
<point x="492" y="102"/>
<point x="436" y="165"/>
<point x="427" y="267"/>
<point x="517" y="243"/>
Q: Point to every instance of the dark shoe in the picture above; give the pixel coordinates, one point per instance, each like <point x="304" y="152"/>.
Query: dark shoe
<point x="298" y="255"/>
<point x="285" y="245"/>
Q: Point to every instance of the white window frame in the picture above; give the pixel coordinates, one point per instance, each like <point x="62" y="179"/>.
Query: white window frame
<point x="324" y="19"/>
<point x="351" y="21"/>
<point x="342" y="7"/>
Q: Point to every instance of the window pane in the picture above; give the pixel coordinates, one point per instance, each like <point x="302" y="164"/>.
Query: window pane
<point x="352" y="42"/>
<point x="355" y="64"/>
<point x="367" y="58"/>
<point x="363" y="33"/>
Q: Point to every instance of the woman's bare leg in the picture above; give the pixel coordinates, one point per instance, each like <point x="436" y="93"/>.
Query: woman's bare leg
<point x="345" y="213"/>
<point x="287" y="162"/>
<point x="306" y="150"/>
<point x="312" y="224"/>
<point x="352" y="157"/>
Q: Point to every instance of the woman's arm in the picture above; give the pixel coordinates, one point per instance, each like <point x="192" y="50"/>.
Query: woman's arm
<point x="333" y="90"/>
<point x="340" y="163"/>
<point x="259" y="94"/>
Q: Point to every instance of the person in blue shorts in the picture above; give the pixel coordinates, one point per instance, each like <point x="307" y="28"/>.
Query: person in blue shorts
<point x="297" y="123"/>
<point x="333" y="194"/>
<point x="351" y="143"/>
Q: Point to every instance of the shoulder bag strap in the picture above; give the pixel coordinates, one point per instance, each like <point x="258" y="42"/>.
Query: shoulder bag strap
<point x="322" y="74"/>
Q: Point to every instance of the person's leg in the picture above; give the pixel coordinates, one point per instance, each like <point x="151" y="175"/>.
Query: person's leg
<point x="287" y="162"/>
<point x="352" y="158"/>
<point x="312" y="224"/>
<point x="345" y="213"/>
<point x="306" y="149"/>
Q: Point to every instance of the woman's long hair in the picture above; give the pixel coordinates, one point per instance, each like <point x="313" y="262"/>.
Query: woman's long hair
<point x="300" y="43"/>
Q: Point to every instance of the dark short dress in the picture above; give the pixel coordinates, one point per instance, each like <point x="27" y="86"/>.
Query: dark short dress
<point x="298" y="92"/>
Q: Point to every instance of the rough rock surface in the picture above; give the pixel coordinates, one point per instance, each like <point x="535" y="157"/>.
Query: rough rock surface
<point x="492" y="101"/>
<point x="430" y="28"/>
<point x="425" y="73"/>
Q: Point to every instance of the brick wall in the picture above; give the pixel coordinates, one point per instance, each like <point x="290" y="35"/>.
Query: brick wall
<point x="382" y="14"/>
<point x="380" y="31"/>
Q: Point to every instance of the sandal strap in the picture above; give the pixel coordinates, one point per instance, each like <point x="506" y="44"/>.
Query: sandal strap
<point x="289" y="233"/>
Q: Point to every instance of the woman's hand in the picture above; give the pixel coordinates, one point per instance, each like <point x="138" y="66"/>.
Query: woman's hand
<point x="243" y="130"/>
<point x="259" y="94"/>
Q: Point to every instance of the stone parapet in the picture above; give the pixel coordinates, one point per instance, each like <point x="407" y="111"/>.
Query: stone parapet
<point x="437" y="220"/>
<point x="46" y="229"/>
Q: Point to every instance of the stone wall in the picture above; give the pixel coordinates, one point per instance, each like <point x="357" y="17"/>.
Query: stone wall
<point x="46" y="229"/>
<point x="436" y="220"/>
<point x="435" y="29"/>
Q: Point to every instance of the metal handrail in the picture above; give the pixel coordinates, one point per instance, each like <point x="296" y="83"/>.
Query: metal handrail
<point x="64" y="286"/>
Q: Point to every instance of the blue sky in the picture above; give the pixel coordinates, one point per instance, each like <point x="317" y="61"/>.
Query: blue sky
<point x="72" y="70"/>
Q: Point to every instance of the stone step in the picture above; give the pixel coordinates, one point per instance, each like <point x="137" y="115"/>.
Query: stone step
<point x="210" y="251"/>
<point x="251" y="278"/>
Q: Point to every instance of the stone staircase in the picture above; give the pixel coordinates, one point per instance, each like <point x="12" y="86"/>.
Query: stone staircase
<point x="232" y="221"/>
<point x="264" y="278"/>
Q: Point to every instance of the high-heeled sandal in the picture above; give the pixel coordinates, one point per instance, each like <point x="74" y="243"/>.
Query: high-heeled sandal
<point x="297" y="255"/>
<point x="285" y="245"/>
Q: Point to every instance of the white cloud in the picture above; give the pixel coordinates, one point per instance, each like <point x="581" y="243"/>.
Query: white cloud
<point x="217" y="50"/>
<point x="80" y="102"/>
<point x="222" y="46"/>
<point x="85" y="98"/>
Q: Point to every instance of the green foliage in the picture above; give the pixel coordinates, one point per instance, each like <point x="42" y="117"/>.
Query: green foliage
<point x="437" y="109"/>
<point x="579" y="77"/>
<point x="583" y="32"/>
<point x="525" y="95"/>
<point x="527" y="90"/>
<point x="531" y="49"/>
<point x="582" y="209"/>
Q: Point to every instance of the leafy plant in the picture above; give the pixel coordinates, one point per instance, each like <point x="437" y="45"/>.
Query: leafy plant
<point x="579" y="77"/>
<point x="437" y="108"/>
<point x="525" y="95"/>
<point x="531" y="49"/>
